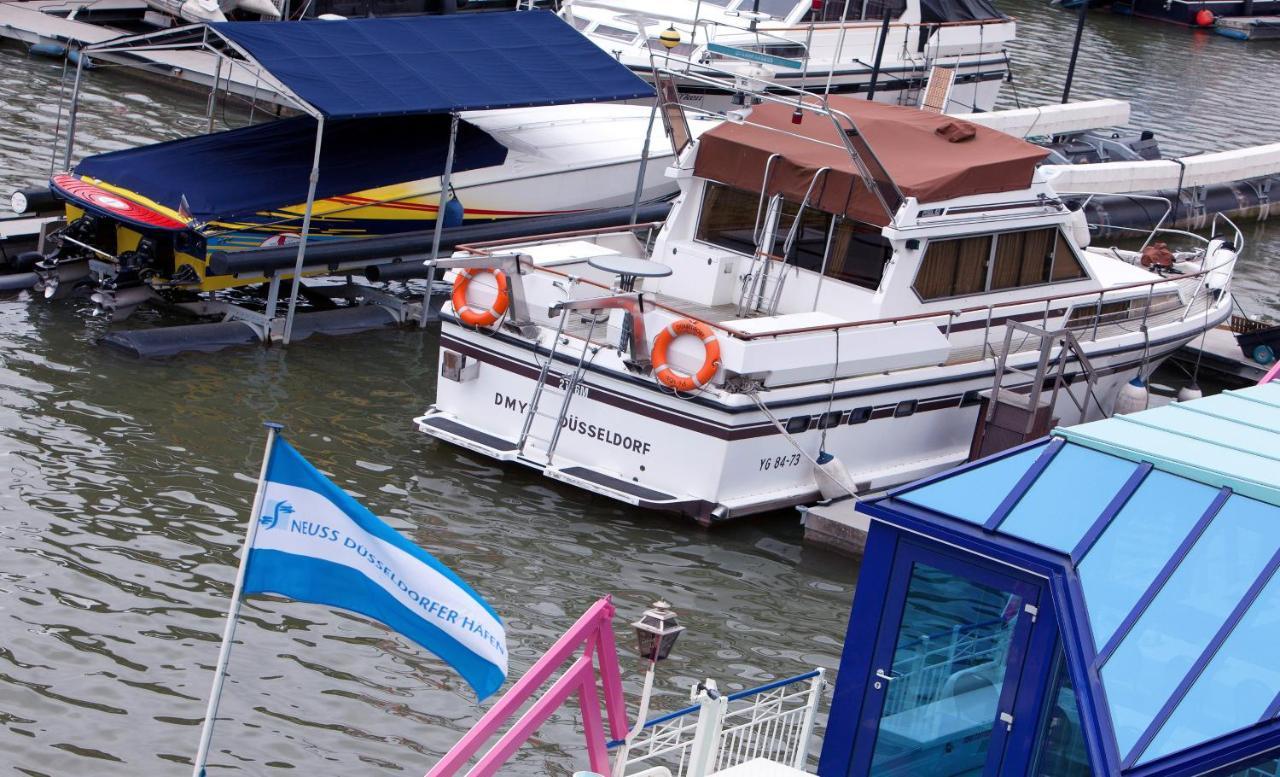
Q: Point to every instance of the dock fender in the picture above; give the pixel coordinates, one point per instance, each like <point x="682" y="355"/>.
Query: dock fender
<point x="1078" y="228"/>
<point x="454" y="213"/>
<point x="1220" y="260"/>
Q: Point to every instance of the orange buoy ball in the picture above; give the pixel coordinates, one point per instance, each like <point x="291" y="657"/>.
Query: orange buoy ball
<point x="1204" y="18"/>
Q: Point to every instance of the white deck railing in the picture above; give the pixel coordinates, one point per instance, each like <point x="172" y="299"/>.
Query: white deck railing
<point x="773" y="721"/>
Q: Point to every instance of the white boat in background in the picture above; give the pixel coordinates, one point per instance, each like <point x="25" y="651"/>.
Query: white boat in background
<point x="927" y="256"/>
<point x="828" y="45"/>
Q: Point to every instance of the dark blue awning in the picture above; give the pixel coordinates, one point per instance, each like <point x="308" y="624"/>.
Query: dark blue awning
<point x="266" y="166"/>
<point x="435" y="64"/>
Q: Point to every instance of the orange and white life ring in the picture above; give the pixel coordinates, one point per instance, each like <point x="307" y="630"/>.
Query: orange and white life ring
<point x="710" y="362"/>
<point x="471" y="314"/>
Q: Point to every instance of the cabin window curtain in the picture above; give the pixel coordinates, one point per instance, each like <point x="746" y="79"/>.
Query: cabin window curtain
<point x="1066" y="267"/>
<point x="1023" y="258"/>
<point x="938" y="270"/>
<point x="971" y="265"/>
<point x="953" y="268"/>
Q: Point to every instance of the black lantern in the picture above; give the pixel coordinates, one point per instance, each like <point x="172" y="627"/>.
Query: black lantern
<point x="656" y="631"/>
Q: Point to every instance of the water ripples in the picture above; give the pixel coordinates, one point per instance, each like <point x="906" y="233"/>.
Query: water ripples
<point x="125" y="488"/>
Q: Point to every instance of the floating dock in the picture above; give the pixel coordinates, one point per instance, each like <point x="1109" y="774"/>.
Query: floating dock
<point x="1249" y="27"/>
<point x="1220" y="358"/>
<point x="58" y="23"/>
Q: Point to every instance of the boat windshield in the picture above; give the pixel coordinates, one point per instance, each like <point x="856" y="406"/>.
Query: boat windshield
<point x="835" y="246"/>
<point x="778" y="9"/>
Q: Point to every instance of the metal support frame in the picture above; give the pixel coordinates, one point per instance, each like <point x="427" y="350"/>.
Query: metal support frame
<point x="633" y="304"/>
<point x="71" y="112"/>
<point x="306" y="229"/>
<point x="517" y="317"/>
<point x="445" y="181"/>
<point x="644" y="152"/>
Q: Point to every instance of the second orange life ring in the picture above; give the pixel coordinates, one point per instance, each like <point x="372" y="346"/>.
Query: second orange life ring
<point x="476" y="316"/>
<point x="710" y="362"/>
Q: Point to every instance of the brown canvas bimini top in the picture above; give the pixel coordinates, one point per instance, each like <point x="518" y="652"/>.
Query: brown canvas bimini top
<point x="928" y="156"/>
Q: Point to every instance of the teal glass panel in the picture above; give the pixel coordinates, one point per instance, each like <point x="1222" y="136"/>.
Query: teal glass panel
<point x="974" y="495"/>
<point x="1068" y="497"/>
<point x="1136" y="546"/>
<point x="948" y="668"/>
<point x="1173" y="632"/>
<point x="1269" y="768"/>
<point x="1060" y="748"/>
<point x="1238" y="684"/>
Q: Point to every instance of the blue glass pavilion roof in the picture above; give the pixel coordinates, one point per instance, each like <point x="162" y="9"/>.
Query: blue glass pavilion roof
<point x="1168" y="521"/>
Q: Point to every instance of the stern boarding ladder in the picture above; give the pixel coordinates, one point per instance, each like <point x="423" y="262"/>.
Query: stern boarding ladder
<point x="634" y="340"/>
<point x="566" y="389"/>
<point x="759" y="296"/>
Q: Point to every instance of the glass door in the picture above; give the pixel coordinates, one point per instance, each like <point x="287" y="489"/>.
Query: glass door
<point x="946" y="666"/>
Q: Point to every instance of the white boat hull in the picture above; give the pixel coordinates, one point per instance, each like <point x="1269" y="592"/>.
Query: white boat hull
<point x="712" y="460"/>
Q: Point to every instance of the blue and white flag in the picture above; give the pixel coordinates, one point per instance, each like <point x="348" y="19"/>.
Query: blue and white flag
<point x="316" y="544"/>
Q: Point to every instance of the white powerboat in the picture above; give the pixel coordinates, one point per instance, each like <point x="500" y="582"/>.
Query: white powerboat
<point x="829" y="45"/>
<point x="928" y="259"/>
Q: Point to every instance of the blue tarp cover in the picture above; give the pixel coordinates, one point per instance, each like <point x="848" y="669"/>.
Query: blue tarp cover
<point x="424" y="64"/>
<point x="266" y="166"/>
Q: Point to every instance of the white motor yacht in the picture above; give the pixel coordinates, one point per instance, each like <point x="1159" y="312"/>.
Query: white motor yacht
<point x="837" y="280"/>
<point x="827" y="45"/>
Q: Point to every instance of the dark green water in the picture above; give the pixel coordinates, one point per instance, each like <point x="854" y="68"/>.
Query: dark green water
<point x="124" y="489"/>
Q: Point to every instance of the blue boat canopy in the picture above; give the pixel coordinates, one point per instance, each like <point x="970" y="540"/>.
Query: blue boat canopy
<point x="266" y="167"/>
<point x="1165" y="526"/>
<point x="434" y="64"/>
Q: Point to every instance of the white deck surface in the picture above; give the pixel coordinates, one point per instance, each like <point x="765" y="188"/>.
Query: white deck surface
<point x="760" y="767"/>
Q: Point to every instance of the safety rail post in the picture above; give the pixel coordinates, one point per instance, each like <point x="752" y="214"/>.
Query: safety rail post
<point x="593" y="632"/>
<point x="706" y="739"/>
<point x="816" y="686"/>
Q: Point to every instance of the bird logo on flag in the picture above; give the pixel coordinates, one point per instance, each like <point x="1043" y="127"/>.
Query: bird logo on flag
<point x="281" y="508"/>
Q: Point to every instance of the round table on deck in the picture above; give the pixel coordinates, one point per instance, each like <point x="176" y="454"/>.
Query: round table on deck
<point x="628" y="268"/>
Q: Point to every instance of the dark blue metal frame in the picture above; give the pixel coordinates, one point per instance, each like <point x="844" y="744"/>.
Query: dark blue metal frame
<point x="1024" y="484"/>
<point x="873" y="628"/>
<point x="963" y="468"/>
<point x="1202" y="661"/>
<point x="896" y="523"/>
<point x="1113" y="509"/>
<point x="1166" y="572"/>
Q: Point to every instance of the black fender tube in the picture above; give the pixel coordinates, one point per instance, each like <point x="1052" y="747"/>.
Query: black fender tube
<point x="18" y="281"/>
<point x="396" y="271"/>
<point x="36" y="199"/>
<point x="414" y="246"/>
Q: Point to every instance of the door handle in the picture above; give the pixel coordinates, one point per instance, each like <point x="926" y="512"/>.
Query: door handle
<point x="883" y="677"/>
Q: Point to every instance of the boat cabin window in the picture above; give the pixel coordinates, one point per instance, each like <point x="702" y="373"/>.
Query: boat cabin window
<point x="1008" y="260"/>
<point x="728" y="218"/>
<point x="830" y="10"/>
<point x="778" y="9"/>
<point x="858" y="252"/>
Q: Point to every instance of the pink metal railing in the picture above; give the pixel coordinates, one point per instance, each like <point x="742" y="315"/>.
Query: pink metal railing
<point x="593" y="632"/>
<point x="1272" y="374"/>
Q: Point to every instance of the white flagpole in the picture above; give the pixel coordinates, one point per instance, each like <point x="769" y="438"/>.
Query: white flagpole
<point x="233" y="614"/>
